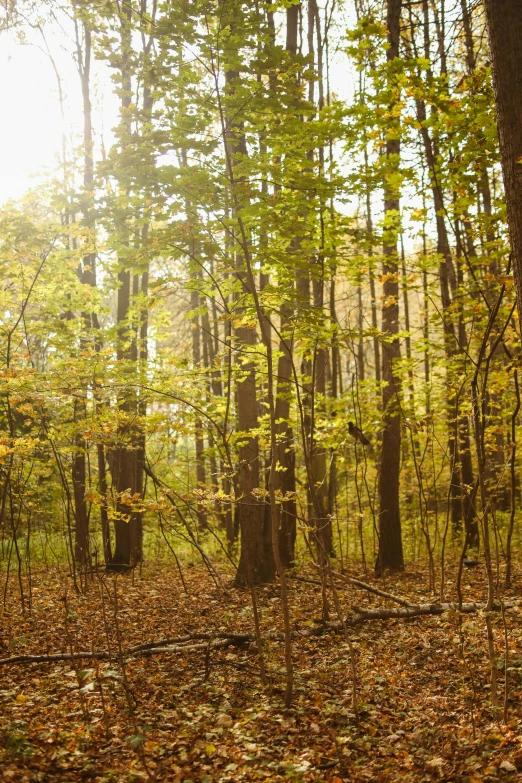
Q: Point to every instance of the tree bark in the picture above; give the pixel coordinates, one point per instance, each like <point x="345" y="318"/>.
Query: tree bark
<point x="390" y="554"/>
<point x="504" y="22"/>
<point x="123" y="459"/>
<point x="256" y="539"/>
<point x="371" y="273"/>
<point x="86" y="273"/>
<point x="286" y="481"/>
<point x="461" y="468"/>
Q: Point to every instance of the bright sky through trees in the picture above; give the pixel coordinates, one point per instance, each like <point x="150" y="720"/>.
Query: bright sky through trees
<point x="30" y="132"/>
<point x="32" y="126"/>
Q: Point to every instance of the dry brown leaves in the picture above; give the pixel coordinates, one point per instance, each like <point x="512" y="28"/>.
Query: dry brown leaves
<point x="175" y="719"/>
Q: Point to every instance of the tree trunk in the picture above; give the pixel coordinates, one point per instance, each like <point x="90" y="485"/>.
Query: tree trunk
<point x="81" y="517"/>
<point x="360" y="330"/>
<point x="390" y="554"/>
<point x="143" y="323"/>
<point x="504" y="21"/>
<point x="318" y="454"/>
<point x="285" y="443"/>
<point x="461" y="468"/>
<point x="123" y="459"/>
<point x="286" y="482"/>
<point x="198" y="427"/>
<point x="371" y="274"/>
<point x="87" y="276"/>
<point x="256" y="539"/>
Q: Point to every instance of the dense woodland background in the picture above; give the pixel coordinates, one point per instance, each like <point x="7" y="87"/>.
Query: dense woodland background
<point x="262" y="332"/>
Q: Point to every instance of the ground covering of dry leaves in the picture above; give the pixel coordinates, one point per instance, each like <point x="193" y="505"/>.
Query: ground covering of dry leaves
<point x="207" y="718"/>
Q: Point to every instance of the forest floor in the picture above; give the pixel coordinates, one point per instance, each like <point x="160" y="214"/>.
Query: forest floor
<point x="207" y="718"/>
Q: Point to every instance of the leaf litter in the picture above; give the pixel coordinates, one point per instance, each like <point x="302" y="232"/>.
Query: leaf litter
<point x="204" y="715"/>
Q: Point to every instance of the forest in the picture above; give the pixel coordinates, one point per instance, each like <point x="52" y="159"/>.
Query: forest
<point x="260" y="407"/>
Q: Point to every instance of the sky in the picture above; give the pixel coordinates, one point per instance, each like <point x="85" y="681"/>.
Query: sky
<point x="30" y="133"/>
<point x="32" y="127"/>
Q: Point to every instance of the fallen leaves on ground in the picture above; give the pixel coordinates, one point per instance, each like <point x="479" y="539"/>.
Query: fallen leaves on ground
<point x="425" y="712"/>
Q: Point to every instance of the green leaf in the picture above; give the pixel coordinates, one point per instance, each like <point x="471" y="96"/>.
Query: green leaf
<point x="135" y="740"/>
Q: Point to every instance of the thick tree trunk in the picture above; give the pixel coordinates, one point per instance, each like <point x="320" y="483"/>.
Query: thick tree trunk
<point x="256" y="539"/>
<point x="255" y="527"/>
<point x="390" y="554"/>
<point x="286" y="481"/>
<point x="504" y="21"/>
<point x="256" y="546"/>
<point x="123" y="459"/>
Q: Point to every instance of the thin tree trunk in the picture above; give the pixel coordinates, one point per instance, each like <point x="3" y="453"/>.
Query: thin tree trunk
<point x="360" y="330"/>
<point x="143" y="318"/>
<point x="371" y="276"/>
<point x="196" y="358"/>
<point x="455" y="341"/>
<point x="87" y="277"/>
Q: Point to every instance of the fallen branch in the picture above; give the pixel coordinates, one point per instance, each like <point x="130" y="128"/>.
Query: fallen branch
<point x="219" y="640"/>
<point x="233" y="638"/>
<point x="95" y="656"/>
<point x="375" y="590"/>
<point x="403" y="612"/>
<point x="357" y="583"/>
<point x="146" y="649"/>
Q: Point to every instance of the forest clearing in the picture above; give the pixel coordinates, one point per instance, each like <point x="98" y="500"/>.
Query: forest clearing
<point x="261" y="284"/>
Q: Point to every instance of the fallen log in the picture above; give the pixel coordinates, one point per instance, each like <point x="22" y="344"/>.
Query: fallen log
<point x="220" y="640"/>
<point x="402" y="612"/>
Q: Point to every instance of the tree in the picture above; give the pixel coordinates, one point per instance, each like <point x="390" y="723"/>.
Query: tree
<point x="504" y="21"/>
<point x="256" y="562"/>
<point x="390" y="555"/>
